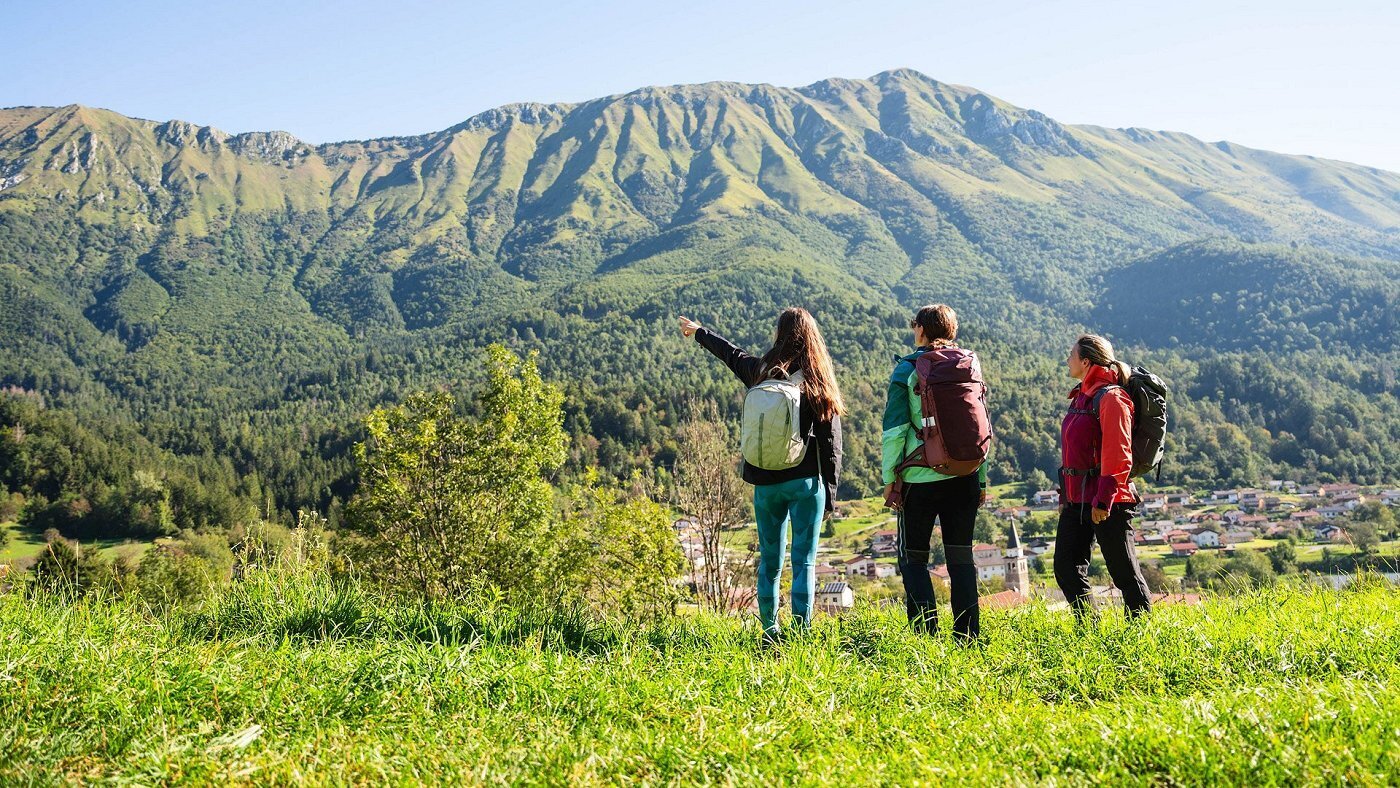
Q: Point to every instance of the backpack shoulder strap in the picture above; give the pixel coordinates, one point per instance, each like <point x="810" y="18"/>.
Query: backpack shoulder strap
<point x="1098" y="395"/>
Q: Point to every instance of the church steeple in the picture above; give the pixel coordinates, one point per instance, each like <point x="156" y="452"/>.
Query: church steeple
<point x="1018" y="573"/>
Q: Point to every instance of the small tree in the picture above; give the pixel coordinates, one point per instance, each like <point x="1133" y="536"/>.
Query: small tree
<point x="56" y="570"/>
<point x="1157" y="581"/>
<point x="985" y="528"/>
<point x="173" y="573"/>
<point x="1363" y="536"/>
<point x="1329" y="560"/>
<point x="11" y="505"/>
<point x="1034" y="525"/>
<point x="450" y="506"/>
<point x="1038" y="481"/>
<point x="619" y="552"/>
<point x="1377" y="513"/>
<point x="1203" y="570"/>
<point x="1283" y="557"/>
<point x="710" y="493"/>
<point x="1252" y="566"/>
<point x="68" y="570"/>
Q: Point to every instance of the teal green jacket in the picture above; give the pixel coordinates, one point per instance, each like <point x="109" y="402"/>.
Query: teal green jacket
<point x="902" y="411"/>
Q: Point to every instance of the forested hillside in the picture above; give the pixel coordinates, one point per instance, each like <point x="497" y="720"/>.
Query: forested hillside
<point x="220" y="310"/>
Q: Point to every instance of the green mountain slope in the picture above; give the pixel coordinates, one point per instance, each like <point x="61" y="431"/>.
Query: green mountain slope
<point x="246" y="296"/>
<point x="1221" y="294"/>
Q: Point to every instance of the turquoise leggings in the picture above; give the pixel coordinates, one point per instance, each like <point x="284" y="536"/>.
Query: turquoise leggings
<point x="803" y="501"/>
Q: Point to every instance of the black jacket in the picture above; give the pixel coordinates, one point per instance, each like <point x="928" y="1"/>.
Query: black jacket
<point x="823" y="437"/>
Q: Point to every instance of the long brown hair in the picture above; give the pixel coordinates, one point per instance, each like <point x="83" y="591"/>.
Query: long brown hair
<point x="798" y="346"/>
<point x="1097" y="350"/>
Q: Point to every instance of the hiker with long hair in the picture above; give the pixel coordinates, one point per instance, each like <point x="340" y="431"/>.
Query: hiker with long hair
<point x="924" y="492"/>
<point x="792" y="451"/>
<point x="1097" y="500"/>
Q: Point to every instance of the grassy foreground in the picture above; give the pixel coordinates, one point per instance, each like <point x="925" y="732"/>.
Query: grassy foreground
<point x="302" y="680"/>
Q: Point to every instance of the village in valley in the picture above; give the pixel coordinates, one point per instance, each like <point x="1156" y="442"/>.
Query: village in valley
<point x="1186" y="542"/>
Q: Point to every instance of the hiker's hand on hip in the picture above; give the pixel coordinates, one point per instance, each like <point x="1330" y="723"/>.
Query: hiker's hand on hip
<point x="1098" y="515"/>
<point x="688" y="327"/>
<point x="889" y="491"/>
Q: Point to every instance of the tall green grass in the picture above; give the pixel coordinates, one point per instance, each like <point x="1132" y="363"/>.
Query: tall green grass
<point x="298" y="678"/>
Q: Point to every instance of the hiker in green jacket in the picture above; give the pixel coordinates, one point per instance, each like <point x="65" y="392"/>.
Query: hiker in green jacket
<point x="791" y="443"/>
<point x="922" y="496"/>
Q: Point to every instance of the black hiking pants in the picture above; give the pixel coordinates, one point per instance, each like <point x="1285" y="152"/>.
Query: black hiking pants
<point x="1075" y="539"/>
<point x="952" y="503"/>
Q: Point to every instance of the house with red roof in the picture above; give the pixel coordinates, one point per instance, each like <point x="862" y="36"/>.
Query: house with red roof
<point x="1184" y="549"/>
<point x="885" y="543"/>
<point x="1002" y="600"/>
<point x="1330" y="490"/>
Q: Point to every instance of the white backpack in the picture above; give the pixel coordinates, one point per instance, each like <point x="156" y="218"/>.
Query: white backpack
<point x="771" y="437"/>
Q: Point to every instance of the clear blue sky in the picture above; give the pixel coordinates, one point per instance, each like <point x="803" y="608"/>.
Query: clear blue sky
<point x="1297" y="77"/>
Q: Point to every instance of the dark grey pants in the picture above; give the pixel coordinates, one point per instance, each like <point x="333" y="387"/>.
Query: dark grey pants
<point x="1075" y="539"/>
<point x="952" y="503"/>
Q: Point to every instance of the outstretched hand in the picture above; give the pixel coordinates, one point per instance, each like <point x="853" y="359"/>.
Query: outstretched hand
<point x="688" y="327"/>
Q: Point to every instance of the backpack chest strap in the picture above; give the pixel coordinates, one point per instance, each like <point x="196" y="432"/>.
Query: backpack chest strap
<point x="1079" y="471"/>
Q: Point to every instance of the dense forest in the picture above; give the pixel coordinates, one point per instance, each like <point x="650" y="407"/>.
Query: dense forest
<point x="194" y="325"/>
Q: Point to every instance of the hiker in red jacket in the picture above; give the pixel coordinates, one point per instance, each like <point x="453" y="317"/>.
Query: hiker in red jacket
<point x="1096" y="498"/>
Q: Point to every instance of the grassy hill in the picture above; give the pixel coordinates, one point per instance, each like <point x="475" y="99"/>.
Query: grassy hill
<point x="299" y="680"/>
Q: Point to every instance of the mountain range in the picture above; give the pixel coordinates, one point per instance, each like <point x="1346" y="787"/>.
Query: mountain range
<point x="246" y="296"/>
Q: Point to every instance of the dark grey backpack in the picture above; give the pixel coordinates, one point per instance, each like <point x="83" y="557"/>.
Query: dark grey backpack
<point x="1149" y="395"/>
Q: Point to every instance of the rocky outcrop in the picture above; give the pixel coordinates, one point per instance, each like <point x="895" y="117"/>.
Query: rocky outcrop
<point x="272" y="146"/>
<point x="12" y="174"/>
<point x="182" y="133"/>
<point x="79" y="153"/>
<point x="1011" y="133"/>
<point x="528" y="112"/>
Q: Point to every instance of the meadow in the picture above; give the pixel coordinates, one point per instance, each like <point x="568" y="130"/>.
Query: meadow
<point x="299" y="678"/>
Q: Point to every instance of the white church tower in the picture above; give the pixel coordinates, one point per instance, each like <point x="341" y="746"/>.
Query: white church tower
<point x="1018" y="573"/>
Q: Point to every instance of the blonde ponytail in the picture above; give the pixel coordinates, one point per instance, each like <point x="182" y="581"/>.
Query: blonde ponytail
<point x="1097" y="350"/>
<point x="1124" y="372"/>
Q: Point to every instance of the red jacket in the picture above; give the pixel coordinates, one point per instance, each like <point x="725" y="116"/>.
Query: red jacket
<point x="1106" y="446"/>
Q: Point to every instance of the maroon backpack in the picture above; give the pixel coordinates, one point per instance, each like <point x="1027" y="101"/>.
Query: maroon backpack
<point x="956" y="432"/>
